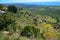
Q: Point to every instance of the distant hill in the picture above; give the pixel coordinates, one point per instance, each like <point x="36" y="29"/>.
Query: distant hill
<point x="36" y="3"/>
<point x="46" y="8"/>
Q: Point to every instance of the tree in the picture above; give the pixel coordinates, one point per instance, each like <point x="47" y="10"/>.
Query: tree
<point x="6" y="19"/>
<point x="12" y="8"/>
<point x="1" y="6"/>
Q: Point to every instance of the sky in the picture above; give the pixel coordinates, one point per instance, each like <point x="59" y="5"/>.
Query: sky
<point x="20" y="1"/>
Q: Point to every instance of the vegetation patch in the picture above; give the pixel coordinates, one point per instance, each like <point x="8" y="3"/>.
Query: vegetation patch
<point x="30" y="31"/>
<point x="53" y="20"/>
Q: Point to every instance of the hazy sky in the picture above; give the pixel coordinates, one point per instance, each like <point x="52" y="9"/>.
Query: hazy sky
<point x="16" y="1"/>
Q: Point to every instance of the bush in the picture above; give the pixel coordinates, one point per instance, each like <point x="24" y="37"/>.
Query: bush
<point x="30" y="31"/>
<point x="12" y="8"/>
<point x="6" y="19"/>
<point x="53" y="20"/>
<point x="1" y="6"/>
<point x="50" y="36"/>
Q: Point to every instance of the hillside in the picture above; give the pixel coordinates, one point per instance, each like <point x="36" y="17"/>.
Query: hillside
<point x="29" y="22"/>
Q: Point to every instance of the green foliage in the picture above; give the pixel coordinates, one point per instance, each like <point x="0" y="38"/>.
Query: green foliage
<point x="16" y="24"/>
<point x="17" y="38"/>
<point x="6" y="19"/>
<point x="30" y="29"/>
<point x="12" y="8"/>
<point x="1" y="6"/>
<point x="53" y="20"/>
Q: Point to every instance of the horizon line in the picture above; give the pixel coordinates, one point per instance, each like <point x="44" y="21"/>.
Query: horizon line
<point x="30" y="2"/>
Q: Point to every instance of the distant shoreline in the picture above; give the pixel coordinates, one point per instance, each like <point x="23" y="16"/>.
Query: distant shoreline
<point x="37" y="3"/>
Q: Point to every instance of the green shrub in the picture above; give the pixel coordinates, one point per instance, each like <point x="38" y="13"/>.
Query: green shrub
<point x="1" y="6"/>
<point x="53" y="20"/>
<point x="30" y="31"/>
<point x="12" y="8"/>
<point x="17" y="38"/>
<point x="6" y="19"/>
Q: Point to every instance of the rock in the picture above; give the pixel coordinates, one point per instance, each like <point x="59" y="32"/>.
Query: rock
<point x="5" y="32"/>
<point x="2" y="11"/>
<point x="29" y="34"/>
